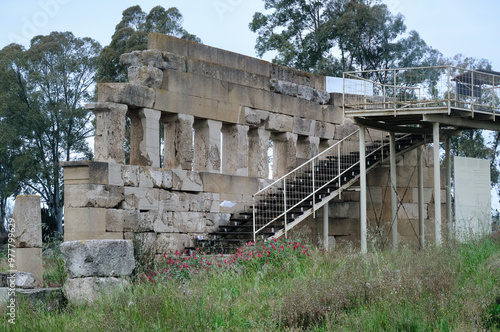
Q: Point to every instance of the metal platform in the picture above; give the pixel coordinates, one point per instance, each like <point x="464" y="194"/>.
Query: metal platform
<point x="417" y="97"/>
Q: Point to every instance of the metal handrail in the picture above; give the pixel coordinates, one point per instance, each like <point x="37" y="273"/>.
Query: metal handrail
<point x="309" y="193"/>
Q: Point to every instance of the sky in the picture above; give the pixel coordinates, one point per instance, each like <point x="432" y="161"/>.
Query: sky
<point x="451" y="26"/>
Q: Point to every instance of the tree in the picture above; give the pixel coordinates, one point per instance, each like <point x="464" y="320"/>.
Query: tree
<point x="131" y="34"/>
<point x="308" y="34"/>
<point x="43" y="92"/>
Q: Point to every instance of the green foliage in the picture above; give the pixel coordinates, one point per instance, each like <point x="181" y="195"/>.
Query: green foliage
<point x="131" y="34"/>
<point x="42" y="116"/>
<point x="446" y="288"/>
<point x="309" y="34"/>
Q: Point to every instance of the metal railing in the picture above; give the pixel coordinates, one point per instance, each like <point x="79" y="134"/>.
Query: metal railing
<point x="296" y="195"/>
<point x="405" y="89"/>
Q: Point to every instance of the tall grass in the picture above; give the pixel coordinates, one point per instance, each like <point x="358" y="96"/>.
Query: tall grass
<point x="294" y="288"/>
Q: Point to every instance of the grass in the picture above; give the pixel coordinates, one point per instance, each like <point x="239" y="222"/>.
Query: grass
<point x="288" y="286"/>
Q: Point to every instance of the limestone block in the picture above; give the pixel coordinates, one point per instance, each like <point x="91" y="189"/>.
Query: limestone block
<point x="253" y="117"/>
<point x="122" y="220"/>
<point x="81" y="172"/>
<point x="170" y="243"/>
<point x="283" y="87"/>
<point x="140" y="198"/>
<point x="98" y="258"/>
<point x="149" y="76"/>
<point x="123" y="93"/>
<point x="81" y="291"/>
<point x="92" y="195"/>
<point x="174" y="201"/>
<point x="324" y="130"/>
<point x="321" y="96"/>
<point x="28" y="221"/>
<point x="110" y="119"/>
<point x="207" y="145"/>
<point x="187" y="222"/>
<point x="258" y="158"/>
<point x="305" y="92"/>
<point x="30" y="260"/>
<point x="235" y="149"/>
<point x="24" y="280"/>
<point x="279" y="122"/>
<point x="410" y="211"/>
<point x="152" y="58"/>
<point x="84" y="223"/>
<point x="130" y="175"/>
<point x="161" y="178"/>
<point x="178" y="141"/>
<point x="186" y="181"/>
<point x="214" y="220"/>
<point x="229" y="184"/>
<point x="307" y="147"/>
<point x="145" y="137"/>
<point x="340" y="210"/>
<point x="146" y="221"/>
<point x="145" y="178"/>
<point x="332" y="114"/>
<point x="52" y="298"/>
<point x="115" y="174"/>
<point x="285" y="153"/>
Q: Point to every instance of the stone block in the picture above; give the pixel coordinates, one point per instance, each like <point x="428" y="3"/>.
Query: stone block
<point x="214" y="220"/>
<point x="81" y="291"/>
<point x="178" y="141"/>
<point x="173" y="201"/>
<point x="141" y="198"/>
<point x="170" y="243"/>
<point x="229" y="184"/>
<point x="341" y="210"/>
<point x="235" y="147"/>
<point x="28" y="222"/>
<point x="115" y="174"/>
<point x="149" y="76"/>
<point x="144" y="137"/>
<point x="84" y="223"/>
<point x="144" y="248"/>
<point x="130" y="175"/>
<point x="186" y="181"/>
<point x="92" y="195"/>
<point x="303" y="126"/>
<point x="253" y="117"/>
<point x="30" y="260"/>
<point x="109" y="138"/>
<point x="128" y="94"/>
<point x="207" y="145"/>
<point x="24" y="280"/>
<point x="78" y="236"/>
<point x="51" y="298"/>
<point x="186" y="222"/>
<point x="122" y="220"/>
<point x="98" y="258"/>
<point x="162" y="178"/>
<point x="324" y="130"/>
<point x="279" y="123"/>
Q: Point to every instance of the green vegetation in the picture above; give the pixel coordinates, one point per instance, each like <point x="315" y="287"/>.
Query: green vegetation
<point x="292" y="287"/>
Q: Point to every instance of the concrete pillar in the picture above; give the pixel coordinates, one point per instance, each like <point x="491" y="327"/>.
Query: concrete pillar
<point x="109" y="136"/>
<point x="258" y="145"/>
<point x="307" y="147"/>
<point x="421" y="224"/>
<point x="449" y="216"/>
<point x="145" y="137"/>
<point x="362" y="194"/>
<point x="207" y="145"/>
<point x="437" y="185"/>
<point x="235" y="149"/>
<point x="28" y="236"/>
<point x="394" y="194"/>
<point x="284" y="154"/>
<point x="178" y="141"/>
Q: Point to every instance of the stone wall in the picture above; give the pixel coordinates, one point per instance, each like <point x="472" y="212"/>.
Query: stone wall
<point x="219" y="112"/>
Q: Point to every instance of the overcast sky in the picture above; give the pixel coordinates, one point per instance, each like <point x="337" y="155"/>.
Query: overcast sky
<point x="451" y="26"/>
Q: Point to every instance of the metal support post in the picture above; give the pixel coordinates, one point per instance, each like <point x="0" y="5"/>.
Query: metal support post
<point x="437" y="185"/>
<point x="449" y="217"/>
<point x="325" y="226"/>
<point x="362" y="180"/>
<point x="421" y="224"/>
<point x="394" y="194"/>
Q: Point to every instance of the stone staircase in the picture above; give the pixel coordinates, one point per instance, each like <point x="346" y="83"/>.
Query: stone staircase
<point x="241" y="227"/>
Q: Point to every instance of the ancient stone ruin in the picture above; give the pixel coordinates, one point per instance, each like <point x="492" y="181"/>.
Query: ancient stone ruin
<point x="219" y="112"/>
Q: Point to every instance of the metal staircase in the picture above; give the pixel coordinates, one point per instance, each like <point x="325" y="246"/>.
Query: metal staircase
<point x="289" y="200"/>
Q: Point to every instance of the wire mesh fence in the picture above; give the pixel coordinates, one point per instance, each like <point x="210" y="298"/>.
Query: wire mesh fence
<point x="443" y="87"/>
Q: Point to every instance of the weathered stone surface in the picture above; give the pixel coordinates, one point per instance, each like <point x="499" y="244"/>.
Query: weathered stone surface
<point x="161" y="178"/>
<point x="92" y="195"/>
<point x="178" y="141"/>
<point x="83" y="172"/>
<point x="279" y="123"/>
<point x="30" y="260"/>
<point x="130" y="175"/>
<point x="144" y="248"/>
<point x="229" y="184"/>
<point x="207" y="145"/>
<point x="52" y="298"/>
<point x="307" y="147"/>
<point x="144" y="137"/>
<point x="302" y="126"/>
<point x="235" y="150"/>
<point x="258" y="158"/>
<point x="25" y="280"/>
<point x="98" y="258"/>
<point x="122" y="220"/>
<point x="306" y="92"/>
<point x="115" y="174"/>
<point x="186" y="181"/>
<point x="149" y="76"/>
<point x="182" y="222"/>
<point x="285" y="153"/>
<point x="28" y="222"/>
<point x="324" y="130"/>
<point x="154" y="58"/>
<point x="140" y="198"/>
<point x="169" y="243"/>
<point x="80" y="291"/>
<point x="253" y="117"/>
<point x="129" y="94"/>
<point x="214" y="220"/>
<point x="110" y="119"/>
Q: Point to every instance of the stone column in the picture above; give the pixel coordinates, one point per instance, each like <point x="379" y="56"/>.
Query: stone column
<point x="178" y="144"/>
<point x="284" y="153"/>
<point x="109" y="132"/>
<point x="307" y="147"/>
<point x="235" y="149"/>
<point x="145" y="137"/>
<point x="258" y="146"/>
<point x="28" y="236"/>
<point x="207" y="145"/>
